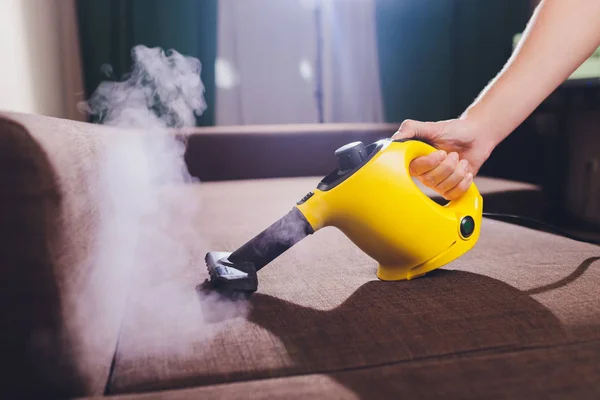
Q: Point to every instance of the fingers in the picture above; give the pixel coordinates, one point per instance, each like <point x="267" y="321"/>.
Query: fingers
<point x="457" y="176"/>
<point x="459" y="189"/>
<point x="447" y="175"/>
<point x="441" y="172"/>
<point x="422" y="165"/>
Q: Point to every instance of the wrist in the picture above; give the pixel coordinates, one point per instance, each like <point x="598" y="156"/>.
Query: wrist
<point x="488" y="127"/>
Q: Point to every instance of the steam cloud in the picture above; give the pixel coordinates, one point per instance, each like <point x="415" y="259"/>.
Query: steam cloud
<point x="163" y="90"/>
<point x="148" y="217"/>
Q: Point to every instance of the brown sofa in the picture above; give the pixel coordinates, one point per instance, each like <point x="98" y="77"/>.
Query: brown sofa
<point x="517" y="317"/>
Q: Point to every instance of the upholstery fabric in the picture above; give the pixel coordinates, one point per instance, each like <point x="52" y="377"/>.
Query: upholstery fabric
<point x="528" y="374"/>
<point x="520" y="302"/>
<point x="59" y="323"/>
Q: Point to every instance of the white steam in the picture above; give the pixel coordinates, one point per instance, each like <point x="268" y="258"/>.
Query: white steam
<point x="163" y="90"/>
<point x="148" y="217"/>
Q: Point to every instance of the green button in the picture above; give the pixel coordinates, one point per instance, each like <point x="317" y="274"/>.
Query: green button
<point x="467" y="226"/>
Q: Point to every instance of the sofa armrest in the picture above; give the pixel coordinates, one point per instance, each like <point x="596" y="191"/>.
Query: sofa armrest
<point x="273" y="151"/>
<point x="62" y="308"/>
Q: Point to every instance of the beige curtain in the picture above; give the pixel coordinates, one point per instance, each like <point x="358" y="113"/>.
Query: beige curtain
<point x="267" y="65"/>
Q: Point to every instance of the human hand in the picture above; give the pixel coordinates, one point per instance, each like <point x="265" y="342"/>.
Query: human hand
<point x="462" y="150"/>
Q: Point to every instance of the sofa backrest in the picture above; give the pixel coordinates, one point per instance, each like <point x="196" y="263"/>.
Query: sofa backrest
<point x="273" y="151"/>
<point x="61" y="309"/>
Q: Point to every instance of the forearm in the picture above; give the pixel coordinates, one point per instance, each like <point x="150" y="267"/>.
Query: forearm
<point x="560" y="36"/>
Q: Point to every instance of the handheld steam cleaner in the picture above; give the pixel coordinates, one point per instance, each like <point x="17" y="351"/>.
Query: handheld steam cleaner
<point x="372" y="198"/>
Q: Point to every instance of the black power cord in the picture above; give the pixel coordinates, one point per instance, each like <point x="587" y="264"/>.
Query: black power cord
<point x="534" y="222"/>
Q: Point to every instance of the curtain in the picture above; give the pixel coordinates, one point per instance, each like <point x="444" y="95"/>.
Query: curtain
<point x="484" y="42"/>
<point x="416" y="49"/>
<point x="437" y="55"/>
<point x="351" y="81"/>
<point x="274" y="56"/>
<point x="379" y="59"/>
<point x="109" y="29"/>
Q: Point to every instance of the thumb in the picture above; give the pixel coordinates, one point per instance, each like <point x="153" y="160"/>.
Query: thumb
<point x="410" y="129"/>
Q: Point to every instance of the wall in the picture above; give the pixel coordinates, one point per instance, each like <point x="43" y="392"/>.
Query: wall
<point x="38" y="73"/>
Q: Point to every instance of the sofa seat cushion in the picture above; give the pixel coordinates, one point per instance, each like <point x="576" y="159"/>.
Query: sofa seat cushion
<point x="516" y="299"/>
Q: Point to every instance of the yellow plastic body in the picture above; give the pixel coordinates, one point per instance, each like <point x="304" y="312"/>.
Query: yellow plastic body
<point x="383" y="212"/>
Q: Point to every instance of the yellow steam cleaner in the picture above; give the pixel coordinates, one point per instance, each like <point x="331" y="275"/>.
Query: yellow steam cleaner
<point x="372" y="198"/>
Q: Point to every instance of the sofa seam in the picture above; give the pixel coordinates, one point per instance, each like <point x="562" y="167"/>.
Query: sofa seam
<point x="113" y="364"/>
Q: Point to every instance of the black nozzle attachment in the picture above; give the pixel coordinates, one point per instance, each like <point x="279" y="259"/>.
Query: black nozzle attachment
<point x="237" y="271"/>
<point x="273" y="241"/>
<point x="229" y="277"/>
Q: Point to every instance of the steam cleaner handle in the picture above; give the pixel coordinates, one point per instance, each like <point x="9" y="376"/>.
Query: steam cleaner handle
<point x="420" y="148"/>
